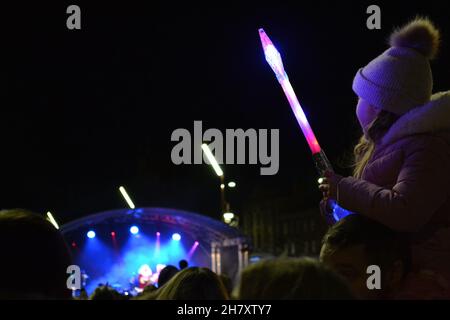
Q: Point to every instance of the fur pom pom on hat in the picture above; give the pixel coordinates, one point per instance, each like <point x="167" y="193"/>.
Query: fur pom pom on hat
<point x="400" y="79"/>
<point x="420" y="34"/>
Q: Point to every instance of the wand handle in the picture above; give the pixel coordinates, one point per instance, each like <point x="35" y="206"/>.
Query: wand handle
<point x="322" y="163"/>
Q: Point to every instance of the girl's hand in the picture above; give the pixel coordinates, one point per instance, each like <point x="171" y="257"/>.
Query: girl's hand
<point x="328" y="185"/>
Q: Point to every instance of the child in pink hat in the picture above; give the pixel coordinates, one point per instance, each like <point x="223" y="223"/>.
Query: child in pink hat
<point x="402" y="161"/>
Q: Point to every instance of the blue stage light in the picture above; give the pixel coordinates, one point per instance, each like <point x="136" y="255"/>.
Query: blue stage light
<point x="176" y="237"/>
<point x="91" y="234"/>
<point x="134" y="230"/>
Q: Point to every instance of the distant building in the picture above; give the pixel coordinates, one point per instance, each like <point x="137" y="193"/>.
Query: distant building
<point x="279" y="225"/>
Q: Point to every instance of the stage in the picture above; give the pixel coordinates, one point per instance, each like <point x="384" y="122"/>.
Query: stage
<point x="128" y="247"/>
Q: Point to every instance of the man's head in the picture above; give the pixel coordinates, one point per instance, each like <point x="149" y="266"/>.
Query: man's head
<point x="166" y="274"/>
<point x="291" y="279"/>
<point x="34" y="257"/>
<point x="356" y="242"/>
<point x="183" y="264"/>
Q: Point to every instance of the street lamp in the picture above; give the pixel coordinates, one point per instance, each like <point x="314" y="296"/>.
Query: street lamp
<point x="212" y="160"/>
<point x="231" y="184"/>
<point x="228" y="217"/>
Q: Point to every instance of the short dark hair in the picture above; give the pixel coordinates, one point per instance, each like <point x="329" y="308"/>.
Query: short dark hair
<point x="183" y="264"/>
<point x="166" y="274"/>
<point x="34" y="257"/>
<point x="382" y="245"/>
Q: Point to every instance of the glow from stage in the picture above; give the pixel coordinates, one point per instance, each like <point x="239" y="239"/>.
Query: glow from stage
<point x="104" y="258"/>
<point x="118" y="262"/>
<point x="158" y="244"/>
<point x="134" y="230"/>
<point x="113" y="257"/>
<point x="176" y="237"/>
<point x="191" y="252"/>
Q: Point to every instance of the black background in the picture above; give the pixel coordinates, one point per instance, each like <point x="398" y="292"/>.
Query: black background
<point x="84" y="111"/>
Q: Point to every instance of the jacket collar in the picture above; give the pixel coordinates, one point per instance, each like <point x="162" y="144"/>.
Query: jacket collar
<point x="433" y="117"/>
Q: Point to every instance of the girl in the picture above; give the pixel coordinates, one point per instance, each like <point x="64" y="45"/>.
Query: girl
<point x="402" y="162"/>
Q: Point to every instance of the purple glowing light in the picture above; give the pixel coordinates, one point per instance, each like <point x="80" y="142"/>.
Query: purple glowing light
<point x="272" y="55"/>
<point x="158" y="244"/>
<point x="273" y="58"/>
<point x="192" y="250"/>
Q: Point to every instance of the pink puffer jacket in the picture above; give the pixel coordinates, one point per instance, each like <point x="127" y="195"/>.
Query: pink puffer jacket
<point x="406" y="184"/>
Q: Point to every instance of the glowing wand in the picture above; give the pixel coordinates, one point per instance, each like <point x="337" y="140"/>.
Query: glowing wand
<point x="273" y="58"/>
<point x="321" y="161"/>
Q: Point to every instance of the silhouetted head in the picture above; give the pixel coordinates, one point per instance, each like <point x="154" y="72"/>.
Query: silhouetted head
<point x="107" y="293"/>
<point x="357" y="242"/>
<point x="166" y="274"/>
<point x="227" y="283"/>
<point x="34" y="257"/>
<point x="291" y="279"/>
<point x="183" y="264"/>
<point x="193" y="284"/>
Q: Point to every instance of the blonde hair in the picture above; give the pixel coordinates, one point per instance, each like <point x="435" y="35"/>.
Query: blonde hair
<point x="363" y="151"/>
<point x="193" y="283"/>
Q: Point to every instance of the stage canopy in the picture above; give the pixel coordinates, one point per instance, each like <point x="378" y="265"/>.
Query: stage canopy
<point x="111" y="246"/>
<point x="205" y="229"/>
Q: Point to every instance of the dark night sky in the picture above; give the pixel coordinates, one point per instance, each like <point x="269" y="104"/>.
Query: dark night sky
<point x="85" y="111"/>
